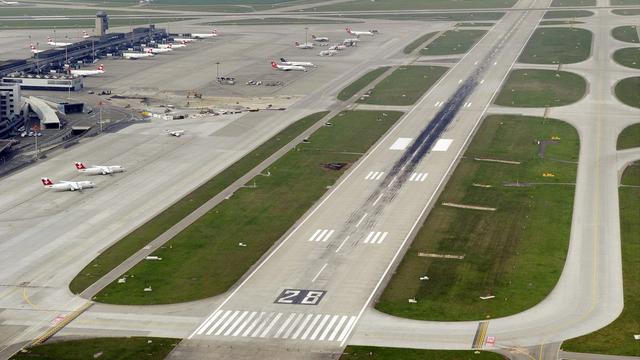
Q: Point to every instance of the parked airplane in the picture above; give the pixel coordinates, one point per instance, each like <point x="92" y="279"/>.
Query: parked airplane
<point x="304" y="46"/>
<point x="99" y="169"/>
<point x="296" y="63"/>
<point x="85" y="35"/>
<point x="351" y="40"/>
<point x="80" y="72"/>
<point x="157" y="50"/>
<point x="171" y="46"/>
<point x="183" y="40"/>
<point x="319" y="39"/>
<point x="137" y="55"/>
<point x="327" y="52"/>
<point x="9" y="2"/>
<point x="359" y="33"/>
<point x="34" y="49"/>
<point x="213" y="33"/>
<point x="53" y="43"/>
<point x="67" y="185"/>
<point x="337" y="47"/>
<point x="176" y="133"/>
<point x="287" y="67"/>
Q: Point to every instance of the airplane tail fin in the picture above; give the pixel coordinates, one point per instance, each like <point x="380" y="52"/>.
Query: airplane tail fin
<point x="49" y="38"/>
<point x="46" y="181"/>
<point x="283" y="60"/>
<point x="313" y="36"/>
<point x="297" y="43"/>
<point x="101" y="67"/>
<point x="273" y="64"/>
<point x="79" y="166"/>
<point x="348" y="30"/>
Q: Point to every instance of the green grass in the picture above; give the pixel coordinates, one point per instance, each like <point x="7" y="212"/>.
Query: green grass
<point x="453" y="42"/>
<point x="626" y="12"/>
<point x="617" y="337"/>
<point x="625" y="2"/>
<point x="557" y="46"/>
<point x="115" y="348"/>
<point x="573" y="3"/>
<point x="361" y="83"/>
<point x="629" y="137"/>
<point x="359" y="5"/>
<point x="541" y="88"/>
<point x="417" y="42"/>
<point x="629" y="57"/>
<point x="40" y="11"/>
<point x="385" y="353"/>
<point x="143" y="235"/>
<point x="628" y="91"/>
<point x="461" y="16"/>
<point x="516" y="252"/>
<point x="80" y="23"/>
<point x="278" y="21"/>
<point x="404" y="86"/>
<point x="557" y="14"/>
<point x="206" y="260"/>
<point x="627" y="33"/>
<point x="560" y="22"/>
<point x="474" y="24"/>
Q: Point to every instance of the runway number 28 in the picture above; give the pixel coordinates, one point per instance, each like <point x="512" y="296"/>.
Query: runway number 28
<point x="300" y="297"/>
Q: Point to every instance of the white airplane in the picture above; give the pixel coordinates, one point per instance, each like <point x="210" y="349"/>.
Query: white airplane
<point x="358" y="33"/>
<point x="213" y="33"/>
<point x="137" y="55"/>
<point x="337" y="47"/>
<point x="351" y="40"/>
<point x="53" y="43"/>
<point x="327" y="52"/>
<point x="10" y="2"/>
<point x="319" y="39"/>
<point x="80" y="72"/>
<point x="67" y="185"/>
<point x="34" y="49"/>
<point x="176" y="133"/>
<point x="172" y="46"/>
<point x="157" y="50"/>
<point x="85" y="35"/>
<point x="296" y="63"/>
<point x="304" y="46"/>
<point x="287" y="67"/>
<point x="99" y="169"/>
<point x="183" y="40"/>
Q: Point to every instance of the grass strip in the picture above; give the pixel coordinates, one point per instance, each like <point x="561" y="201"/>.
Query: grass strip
<point x="358" y="5"/>
<point x="624" y="2"/>
<point x="453" y="42"/>
<point x="617" y="337"/>
<point x="278" y="21"/>
<point x="81" y="23"/>
<point x="208" y="257"/>
<point x="626" y="12"/>
<point x="461" y="16"/>
<point x="515" y="253"/>
<point x="417" y="42"/>
<point x="558" y="14"/>
<point x="628" y="33"/>
<point x="557" y="46"/>
<point x="359" y="84"/>
<point x="627" y="91"/>
<point x="386" y="353"/>
<point x="560" y="3"/>
<point x="629" y="137"/>
<point x="102" y="348"/>
<point x="629" y="57"/>
<point x="143" y="235"/>
<point x="541" y="88"/>
<point x="560" y="22"/>
<point x="404" y="86"/>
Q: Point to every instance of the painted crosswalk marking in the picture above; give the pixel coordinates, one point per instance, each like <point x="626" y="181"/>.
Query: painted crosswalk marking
<point x="375" y="237"/>
<point x="418" y="176"/>
<point x="321" y="235"/>
<point x="374" y="175"/>
<point x="278" y="325"/>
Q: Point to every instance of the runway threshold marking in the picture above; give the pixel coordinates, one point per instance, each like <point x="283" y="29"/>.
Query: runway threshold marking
<point x="375" y="237"/>
<point x="374" y="175"/>
<point x="442" y="145"/>
<point x="401" y="144"/>
<point x="481" y="335"/>
<point x="418" y="177"/>
<point x="321" y="235"/>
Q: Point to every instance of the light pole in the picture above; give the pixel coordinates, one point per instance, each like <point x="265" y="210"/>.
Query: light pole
<point x="218" y="71"/>
<point x="306" y="29"/>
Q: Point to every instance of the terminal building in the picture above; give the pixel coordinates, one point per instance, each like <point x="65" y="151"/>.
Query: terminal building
<point x="10" y="109"/>
<point x="45" y="82"/>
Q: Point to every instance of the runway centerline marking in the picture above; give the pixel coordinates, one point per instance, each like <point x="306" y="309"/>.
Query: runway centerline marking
<point x="378" y="199"/>
<point x="319" y="272"/>
<point x="343" y="242"/>
<point x="361" y="219"/>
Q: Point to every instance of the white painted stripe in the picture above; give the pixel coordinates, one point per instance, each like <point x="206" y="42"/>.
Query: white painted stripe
<point x="253" y="324"/>
<point x="366" y="241"/>
<point x="337" y="328"/>
<point x="328" y="236"/>
<point x="235" y="323"/>
<point x="346" y="329"/>
<point x="273" y="322"/>
<point x="384" y="235"/>
<point x="322" y="233"/>
<point x="224" y="316"/>
<point x="320" y="326"/>
<point x="401" y="144"/>
<point x="392" y="181"/>
<point x="315" y="234"/>
<point x="442" y="145"/>
<point x="319" y="272"/>
<point x="262" y="325"/>
<point x="378" y="199"/>
<point x="369" y="175"/>
<point x="284" y="325"/>
<point x="301" y="327"/>
<point x="361" y="219"/>
<point x="460" y="81"/>
<point x="375" y="237"/>
<point x="343" y="242"/>
<point x="413" y="176"/>
<point x="328" y="328"/>
<point x="380" y="175"/>
<point x="226" y="323"/>
<point x="208" y="322"/>
<point x="293" y="326"/>
<point x="244" y="324"/>
<point x="482" y="81"/>
<point x="313" y="323"/>
<point x="424" y="177"/>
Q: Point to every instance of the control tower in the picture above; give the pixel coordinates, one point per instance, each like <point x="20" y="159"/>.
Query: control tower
<point x="102" y="23"/>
